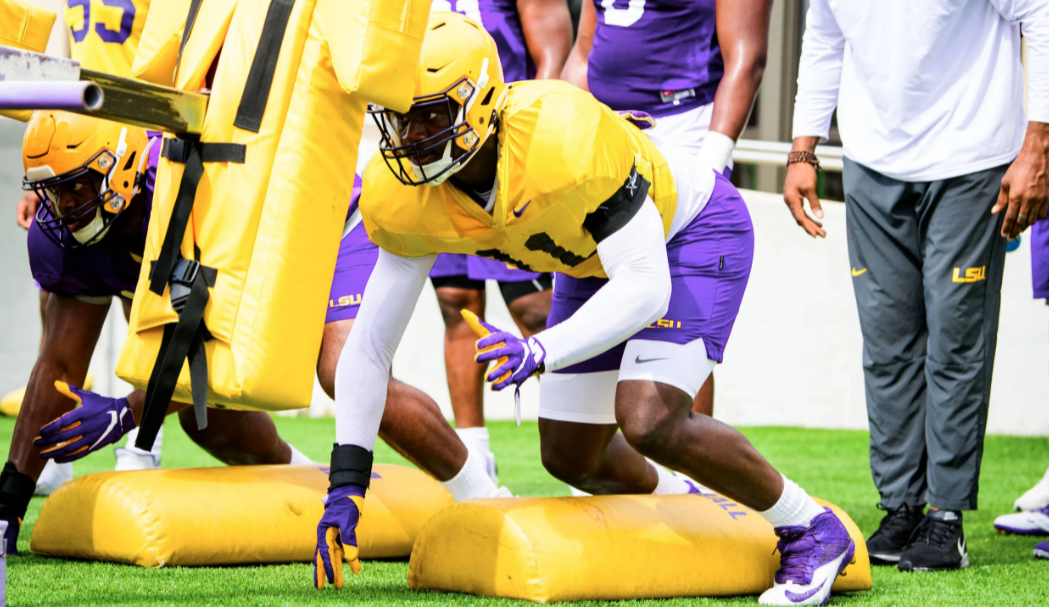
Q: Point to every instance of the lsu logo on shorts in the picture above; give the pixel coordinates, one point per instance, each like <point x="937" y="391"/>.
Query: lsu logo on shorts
<point x="345" y="300"/>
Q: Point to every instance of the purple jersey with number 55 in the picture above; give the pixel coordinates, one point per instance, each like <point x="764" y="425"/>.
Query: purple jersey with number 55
<point x="659" y="56"/>
<point x="500" y="19"/>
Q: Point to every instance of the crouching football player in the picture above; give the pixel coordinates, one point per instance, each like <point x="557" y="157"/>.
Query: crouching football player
<point x="95" y="181"/>
<point x="575" y="189"/>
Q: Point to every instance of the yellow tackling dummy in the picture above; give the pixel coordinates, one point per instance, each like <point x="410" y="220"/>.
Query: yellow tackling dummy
<point x="606" y="548"/>
<point x="237" y="515"/>
<point x="260" y="200"/>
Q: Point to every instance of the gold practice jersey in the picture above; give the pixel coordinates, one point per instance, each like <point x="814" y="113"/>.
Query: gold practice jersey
<point x="104" y="34"/>
<point x="571" y="171"/>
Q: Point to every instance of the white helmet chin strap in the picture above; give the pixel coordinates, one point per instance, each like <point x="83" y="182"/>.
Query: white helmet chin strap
<point x="91" y="230"/>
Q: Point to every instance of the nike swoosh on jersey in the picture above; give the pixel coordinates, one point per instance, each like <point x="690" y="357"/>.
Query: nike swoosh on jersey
<point x="856" y="272"/>
<point x="112" y="423"/>
<point x="803" y="596"/>
<point x="641" y="361"/>
<point x="519" y="212"/>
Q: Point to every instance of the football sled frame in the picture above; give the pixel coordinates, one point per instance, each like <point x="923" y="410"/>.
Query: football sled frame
<point x="247" y="217"/>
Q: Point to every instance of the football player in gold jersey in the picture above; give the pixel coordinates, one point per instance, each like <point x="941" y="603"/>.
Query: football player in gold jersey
<point x="653" y="257"/>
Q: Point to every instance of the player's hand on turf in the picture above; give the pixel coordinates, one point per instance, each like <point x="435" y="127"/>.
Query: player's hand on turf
<point x="337" y="535"/>
<point x="516" y="359"/>
<point x="1024" y="195"/>
<point x="800" y="186"/>
<point x="26" y="210"/>
<point x="99" y="422"/>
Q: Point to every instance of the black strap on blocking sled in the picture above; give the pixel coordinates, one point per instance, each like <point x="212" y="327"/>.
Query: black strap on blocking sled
<point x="188" y="279"/>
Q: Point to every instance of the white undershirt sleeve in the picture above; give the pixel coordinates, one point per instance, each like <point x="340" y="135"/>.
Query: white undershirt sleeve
<point x="819" y="72"/>
<point x="636" y="295"/>
<point x="364" y="364"/>
<point x="1033" y="17"/>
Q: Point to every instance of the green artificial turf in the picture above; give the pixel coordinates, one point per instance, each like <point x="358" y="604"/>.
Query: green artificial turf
<point x="830" y="464"/>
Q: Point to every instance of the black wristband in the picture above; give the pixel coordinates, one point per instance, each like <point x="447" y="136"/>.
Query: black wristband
<point x="16" y="489"/>
<point x="350" y="465"/>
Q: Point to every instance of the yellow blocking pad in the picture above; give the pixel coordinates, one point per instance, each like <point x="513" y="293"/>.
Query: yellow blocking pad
<point x="235" y="515"/>
<point x="606" y="548"/>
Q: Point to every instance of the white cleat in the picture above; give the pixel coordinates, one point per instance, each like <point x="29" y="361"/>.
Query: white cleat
<point x="1036" y="498"/>
<point x="53" y="476"/>
<point x="134" y="459"/>
<point x="491" y="468"/>
<point x="1024" y="523"/>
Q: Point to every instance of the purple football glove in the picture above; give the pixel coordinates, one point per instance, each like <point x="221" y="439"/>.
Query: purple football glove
<point x="337" y="535"/>
<point x="99" y="422"/>
<point x="523" y="357"/>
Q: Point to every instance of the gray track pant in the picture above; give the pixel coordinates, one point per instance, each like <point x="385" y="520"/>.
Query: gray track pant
<point x="927" y="262"/>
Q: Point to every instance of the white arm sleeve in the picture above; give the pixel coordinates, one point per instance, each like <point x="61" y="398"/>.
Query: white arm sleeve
<point x="364" y="364"/>
<point x="819" y="72"/>
<point x="1033" y="17"/>
<point x="636" y="295"/>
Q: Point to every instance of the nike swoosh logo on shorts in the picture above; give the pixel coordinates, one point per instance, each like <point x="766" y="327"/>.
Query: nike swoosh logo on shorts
<point x="639" y="360"/>
<point x="856" y="272"/>
<point x="519" y="212"/>
<point x="804" y="596"/>
<point x="112" y="423"/>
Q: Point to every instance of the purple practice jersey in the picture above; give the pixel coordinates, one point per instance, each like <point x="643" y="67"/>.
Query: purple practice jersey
<point x="107" y="268"/>
<point x="658" y="56"/>
<point x="501" y="20"/>
<point x="1039" y="236"/>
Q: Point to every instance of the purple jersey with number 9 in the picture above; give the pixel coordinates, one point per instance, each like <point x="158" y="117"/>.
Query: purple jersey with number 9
<point x="500" y="19"/>
<point x="659" y="56"/>
<point x="104" y="34"/>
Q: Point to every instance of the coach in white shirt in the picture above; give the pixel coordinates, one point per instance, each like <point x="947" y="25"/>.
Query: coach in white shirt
<point x="941" y="168"/>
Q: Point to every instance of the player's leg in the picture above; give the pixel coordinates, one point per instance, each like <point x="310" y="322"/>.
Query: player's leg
<point x="704" y="401"/>
<point x="458" y="290"/>
<point x="412" y="422"/>
<point x="130" y="457"/>
<point x="577" y="422"/>
<point x="465" y="377"/>
<point x="579" y="439"/>
<point x="241" y="438"/>
<point x="528" y="302"/>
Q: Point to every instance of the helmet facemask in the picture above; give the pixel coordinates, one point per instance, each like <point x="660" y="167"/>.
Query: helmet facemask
<point x="450" y="142"/>
<point x="101" y="205"/>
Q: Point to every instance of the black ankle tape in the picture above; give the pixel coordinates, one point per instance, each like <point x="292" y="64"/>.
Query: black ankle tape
<point x="16" y="489"/>
<point x="350" y="465"/>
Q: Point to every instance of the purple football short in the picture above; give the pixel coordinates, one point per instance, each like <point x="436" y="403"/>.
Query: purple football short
<point x="357" y="257"/>
<point x="478" y="268"/>
<point x="1040" y="259"/>
<point x="710" y="264"/>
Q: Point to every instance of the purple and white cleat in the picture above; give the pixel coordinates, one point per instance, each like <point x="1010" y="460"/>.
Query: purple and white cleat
<point x="1041" y="551"/>
<point x="811" y="558"/>
<point x="1036" y="497"/>
<point x="1024" y="523"/>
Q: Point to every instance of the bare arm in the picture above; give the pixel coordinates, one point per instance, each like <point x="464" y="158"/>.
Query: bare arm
<point x="73" y="327"/>
<point x="575" y="69"/>
<point x="548" y="34"/>
<point x="1024" y="195"/>
<point x="743" y="35"/>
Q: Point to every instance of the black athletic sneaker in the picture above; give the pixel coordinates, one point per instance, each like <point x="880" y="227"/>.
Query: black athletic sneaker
<point x="938" y="544"/>
<point x="894" y="534"/>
